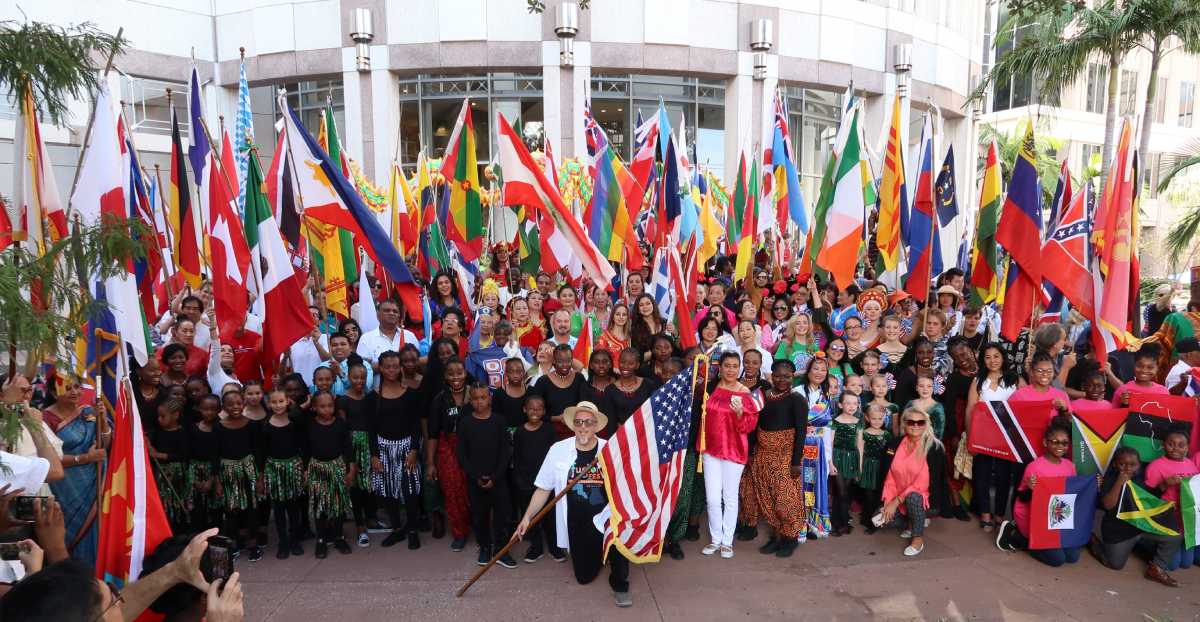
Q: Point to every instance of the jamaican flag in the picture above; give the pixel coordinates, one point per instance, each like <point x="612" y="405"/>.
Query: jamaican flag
<point x="1145" y="511"/>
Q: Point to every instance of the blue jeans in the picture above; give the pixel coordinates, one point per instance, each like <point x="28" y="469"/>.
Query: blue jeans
<point x="1185" y="558"/>
<point x="1057" y="557"/>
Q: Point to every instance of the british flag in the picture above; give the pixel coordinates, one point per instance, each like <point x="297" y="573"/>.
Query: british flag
<point x="596" y="139"/>
<point x="1065" y="249"/>
<point x="643" y="466"/>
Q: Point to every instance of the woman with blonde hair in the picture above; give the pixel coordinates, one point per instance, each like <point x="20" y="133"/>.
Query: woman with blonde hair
<point x="915" y="484"/>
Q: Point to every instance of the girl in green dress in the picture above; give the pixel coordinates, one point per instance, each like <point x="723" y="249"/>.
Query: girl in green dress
<point x="928" y="405"/>
<point x="845" y="460"/>
<point x="872" y="441"/>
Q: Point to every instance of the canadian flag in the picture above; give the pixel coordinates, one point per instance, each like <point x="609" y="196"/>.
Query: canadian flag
<point x="230" y="253"/>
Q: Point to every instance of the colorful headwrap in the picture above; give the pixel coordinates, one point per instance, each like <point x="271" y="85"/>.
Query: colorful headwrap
<point x="873" y="294"/>
<point x="489" y="287"/>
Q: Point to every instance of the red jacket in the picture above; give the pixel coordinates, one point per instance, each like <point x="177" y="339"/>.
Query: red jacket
<point x="725" y="433"/>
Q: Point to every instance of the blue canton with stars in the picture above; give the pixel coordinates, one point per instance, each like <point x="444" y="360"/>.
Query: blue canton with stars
<point x="671" y="406"/>
<point x="1068" y="231"/>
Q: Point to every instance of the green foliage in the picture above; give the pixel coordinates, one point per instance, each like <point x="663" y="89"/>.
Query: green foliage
<point x="56" y="61"/>
<point x="1009" y="145"/>
<point x="49" y="323"/>
<point x="539" y="6"/>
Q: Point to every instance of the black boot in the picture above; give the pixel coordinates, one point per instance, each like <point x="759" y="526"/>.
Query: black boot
<point x="674" y="550"/>
<point x="771" y="546"/>
<point x="787" y="546"/>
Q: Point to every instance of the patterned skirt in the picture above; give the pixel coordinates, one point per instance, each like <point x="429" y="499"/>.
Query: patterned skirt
<point x="328" y="496"/>
<point x="816" y="481"/>
<point x="396" y="481"/>
<point x="361" y="446"/>
<point x="780" y="499"/>
<point x="174" y="480"/>
<point x="239" y="483"/>
<point x="283" y="478"/>
<point x="200" y="471"/>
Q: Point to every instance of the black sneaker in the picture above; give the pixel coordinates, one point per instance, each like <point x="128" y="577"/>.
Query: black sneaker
<point x="392" y="538"/>
<point x="322" y="549"/>
<point x="458" y="544"/>
<point x="506" y="560"/>
<point x="282" y="552"/>
<point x="558" y="555"/>
<point x="342" y="546"/>
<point x="485" y="556"/>
<point x="787" y="546"/>
<point x="674" y="550"/>
<point x="771" y="546"/>
<point x="236" y="554"/>
<point x="296" y="549"/>
<point x="1002" y="542"/>
<point x="534" y="554"/>
<point x="414" y="541"/>
<point x="256" y="553"/>
<point x="693" y="533"/>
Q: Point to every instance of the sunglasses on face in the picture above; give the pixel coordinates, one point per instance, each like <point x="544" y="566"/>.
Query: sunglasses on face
<point x="781" y="308"/>
<point x="916" y="423"/>
<point x="1058" y="442"/>
<point x="117" y="599"/>
<point x="837" y="348"/>
<point x="585" y="423"/>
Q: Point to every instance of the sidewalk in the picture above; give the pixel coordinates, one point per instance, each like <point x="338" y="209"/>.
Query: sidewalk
<point x="961" y="575"/>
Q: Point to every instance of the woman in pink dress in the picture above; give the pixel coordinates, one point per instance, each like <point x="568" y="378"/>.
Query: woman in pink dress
<point x="1052" y="463"/>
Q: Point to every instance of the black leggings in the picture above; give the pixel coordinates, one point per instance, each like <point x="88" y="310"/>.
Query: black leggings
<point x="840" y="490"/>
<point x="237" y="521"/>
<point x="543" y="530"/>
<point x="411" y="512"/>
<point x="869" y="501"/>
<point x="287" y="521"/>
<point x="364" y="507"/>
<point x="993" y="478"/>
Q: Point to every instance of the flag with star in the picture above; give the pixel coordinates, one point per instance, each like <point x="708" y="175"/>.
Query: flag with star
<point x="643" y="467"/>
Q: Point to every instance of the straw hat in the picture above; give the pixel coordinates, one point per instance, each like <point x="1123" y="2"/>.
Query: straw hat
<point x="950" y="290"/>
<point x="587" y="407"/>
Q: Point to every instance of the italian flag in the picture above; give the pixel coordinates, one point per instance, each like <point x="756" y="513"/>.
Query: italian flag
<point x="282" y="299"/>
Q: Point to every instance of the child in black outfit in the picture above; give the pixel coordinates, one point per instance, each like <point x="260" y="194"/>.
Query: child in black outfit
<point x="331" y="470"/>
<point x="483" y="451"/>
<point x="169" y="448"/>
<point x="531" y="443"/>
<point x="281" y="459"/>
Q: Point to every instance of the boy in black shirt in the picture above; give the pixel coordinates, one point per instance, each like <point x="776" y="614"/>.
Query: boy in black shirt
<point x="483" y="452"/>
<point x="531" y="443"/>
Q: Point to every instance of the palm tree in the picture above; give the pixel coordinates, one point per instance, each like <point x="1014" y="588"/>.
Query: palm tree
<point x="1159" y="21"/>
<point x="1009" y="145"/>
<point x="54" y="61"/>
<point x="1057" y="41"/>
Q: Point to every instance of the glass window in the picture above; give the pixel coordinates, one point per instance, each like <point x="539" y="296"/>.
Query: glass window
<point x="309" y="99"/>
<point x="710" y="137"/>
<point x="813" y="117"/>
<point x="1089" y="157"/>
<point x="1128" y="93"/>
<point x="1097" y="87"/>
<point x="146" y="107"/>
<point x="612" y="115"/>
<point x="1187" y="103"/>
<point x="1150" y="183"/>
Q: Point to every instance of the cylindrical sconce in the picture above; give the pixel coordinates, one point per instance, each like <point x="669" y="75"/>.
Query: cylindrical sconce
<point x="902" y="64"/>
<point x="566" y="26"/>
<point x="761" y="40"/>
<point x="362" y="34"/>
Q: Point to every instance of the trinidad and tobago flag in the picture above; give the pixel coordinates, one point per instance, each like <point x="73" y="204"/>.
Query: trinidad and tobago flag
<point x="1061" y="511"/>
<point x="1009" y="430"/>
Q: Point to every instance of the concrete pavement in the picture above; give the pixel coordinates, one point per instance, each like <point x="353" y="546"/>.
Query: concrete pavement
<point x="961" y="575"/>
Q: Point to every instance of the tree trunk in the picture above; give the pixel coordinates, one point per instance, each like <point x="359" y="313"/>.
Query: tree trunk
<point x="1110" y="114"/>
<point x="1156" y="54"/>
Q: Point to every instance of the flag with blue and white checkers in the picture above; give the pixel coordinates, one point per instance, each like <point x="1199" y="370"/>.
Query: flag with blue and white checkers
<point x="243" y="136"/>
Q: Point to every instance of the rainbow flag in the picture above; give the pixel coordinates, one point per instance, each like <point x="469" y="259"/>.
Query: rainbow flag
<point x="464" y="226"/>
<point x="606" y="217"/>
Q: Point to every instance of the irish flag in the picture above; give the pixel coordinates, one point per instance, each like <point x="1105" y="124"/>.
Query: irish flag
<point x="1189" y="494"/>
<point x="843" y="232"/>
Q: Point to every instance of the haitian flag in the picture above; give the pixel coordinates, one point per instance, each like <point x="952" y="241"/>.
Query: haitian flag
<point x="1009" y="430"/>
<point x="1094" y="436"/>
<point x="1060" y="513"/>
<point x="1151" y="417"/>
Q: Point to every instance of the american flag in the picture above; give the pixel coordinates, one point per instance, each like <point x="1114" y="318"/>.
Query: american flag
<point x="643" y="466"/>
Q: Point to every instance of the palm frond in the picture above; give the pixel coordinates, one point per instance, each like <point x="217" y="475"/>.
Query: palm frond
<point x="1180" y="236"/>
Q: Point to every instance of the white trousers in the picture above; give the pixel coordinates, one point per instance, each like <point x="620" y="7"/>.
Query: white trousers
<point x="721" y="481"/>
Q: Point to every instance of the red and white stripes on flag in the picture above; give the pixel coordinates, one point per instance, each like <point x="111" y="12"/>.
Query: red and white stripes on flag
<point x="525" y="184"/>
<point x="643" y="467"/>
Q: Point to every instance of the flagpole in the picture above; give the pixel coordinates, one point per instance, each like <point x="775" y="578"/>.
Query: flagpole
<point x="162" y="201"/>
<point x="318" y="276"/>
<point x="137" y="153"/>
<point x="533" y="521"/>
<point x="229" y="189"/>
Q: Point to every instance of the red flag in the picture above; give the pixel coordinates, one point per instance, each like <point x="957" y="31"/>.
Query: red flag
<point x="132" y="520"/>
<point x="230" y="252"/>
<point x="6" y="228"/>
<point x="582" y="351"/>
<point x="1115" y="240"/>
<point x="1010" y="430"/>
<point x="227" y="162"/>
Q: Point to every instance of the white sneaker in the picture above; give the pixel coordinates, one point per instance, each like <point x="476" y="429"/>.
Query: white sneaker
<point x="726" y="552"/>
<point x="710" y="548"/>
<point x="906" y="534"/>
<point x="912" y="551"/>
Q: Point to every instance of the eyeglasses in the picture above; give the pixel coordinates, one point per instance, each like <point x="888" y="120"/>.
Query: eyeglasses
<point x="1043" y="370"/>
<point x="585" y="423"/>
<point x="781" y="308"/>
<point x="1058" y="442"/>
<point x="117" y="599"/>
<point x="916" y="423"/>
<point x="836" y="348"/>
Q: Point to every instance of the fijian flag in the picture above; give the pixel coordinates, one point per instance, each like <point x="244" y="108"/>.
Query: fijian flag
<point x="1061" y="511"/>
<point x="643" y="466"/>
<point x="1010" y="430"/>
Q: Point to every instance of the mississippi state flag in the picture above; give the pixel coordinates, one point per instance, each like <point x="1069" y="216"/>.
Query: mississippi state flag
<point x="1061" y="511"/>
<point x="1010" y="430"/>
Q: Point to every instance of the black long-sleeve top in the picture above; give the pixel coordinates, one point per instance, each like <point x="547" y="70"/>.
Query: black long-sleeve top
<point x="280" y="442"/>
<point x="558" y="398"/>
<point x="396" y="418"/>
<point x="235" y="444"/>
<point x="529" y="451"/>
<point x="483" y="446"/>
<point x="511" y="409"/>
<point x="357" y="414"/>
<point x="445" y="415"/>
<point x="787" y="412"/>
<point x="174" y="443"/>
<point x="328" y="441"/>
<point x="620" y="404"/>
<point x="203" y="445"/>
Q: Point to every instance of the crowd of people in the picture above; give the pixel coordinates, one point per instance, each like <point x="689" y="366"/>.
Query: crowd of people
<point x="822" y="409"/>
